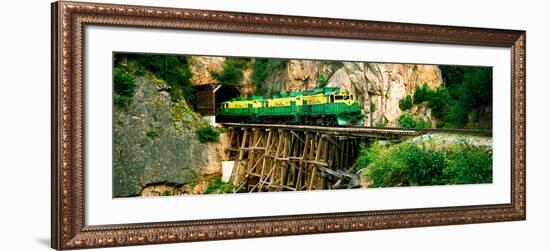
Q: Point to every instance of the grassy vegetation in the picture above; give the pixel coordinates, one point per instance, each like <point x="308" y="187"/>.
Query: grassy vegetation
<point x="208" y="134"/>
<point x="219" y="187"/>
<point x="413" y="164"/>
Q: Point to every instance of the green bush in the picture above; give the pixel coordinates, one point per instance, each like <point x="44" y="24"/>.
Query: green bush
<point x="232" y="72"/>
<point x="140" y="70"/>
<point x="372" y="107"/>
<point x="208" y="134"/>
<point x="367" y="155"/>
<point x="124" y="85"/>
<point x="122" y="102"/>
<point x="322" y="80"/>
<point x="439" y="102"/>
<point x="422" y="124"/>
<point x="124" y="82"/>
<point x="151" y="134"/>
<point x="382" y="122"/>
<point x="262" y="68"/>
<point x="468" y="165"/>
<point x="405" y="103"/>
<point x="410" y="164"/>
<point x="219" y="187"/>
<point x="424" y="166"/>
<point x="406" y="121"/>
<point x="384" y="167"/>
<point x="422" y="93"/>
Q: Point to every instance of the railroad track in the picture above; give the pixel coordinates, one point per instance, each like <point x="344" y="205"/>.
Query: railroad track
<point x="368" y="130"/>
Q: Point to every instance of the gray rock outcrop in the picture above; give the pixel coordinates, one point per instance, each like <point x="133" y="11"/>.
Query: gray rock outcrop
<point x="154" y="141"/>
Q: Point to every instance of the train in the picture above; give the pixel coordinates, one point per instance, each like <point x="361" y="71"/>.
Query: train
<point x="321" y="106"/>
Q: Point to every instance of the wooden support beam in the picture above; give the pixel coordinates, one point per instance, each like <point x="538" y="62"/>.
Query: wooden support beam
<point x="236" y="168"/>
<point x="301" y="163"/>
<point x="327" y="137"/>
<point x="317" y="155"/>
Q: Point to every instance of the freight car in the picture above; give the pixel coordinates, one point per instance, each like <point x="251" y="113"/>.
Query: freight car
<point x="322" y="106"/>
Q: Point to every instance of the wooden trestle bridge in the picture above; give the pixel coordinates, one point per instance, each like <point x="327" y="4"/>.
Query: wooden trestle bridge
<point x="299" y="157"/>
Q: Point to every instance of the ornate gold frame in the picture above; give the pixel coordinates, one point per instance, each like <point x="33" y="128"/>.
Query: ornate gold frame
<point x="68" y="228"/>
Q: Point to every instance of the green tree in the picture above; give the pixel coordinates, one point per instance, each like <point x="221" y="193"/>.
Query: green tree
<point x="262" y="68"/>
<point x="405" y="103"/>
<point x="124" y="85"/>
<point x="439" y="102"/>
<point x="422" y="93"/>
<point x="232" y="72"/>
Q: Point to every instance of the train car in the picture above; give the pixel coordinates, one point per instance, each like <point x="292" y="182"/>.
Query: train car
<point x="323" y="106"/>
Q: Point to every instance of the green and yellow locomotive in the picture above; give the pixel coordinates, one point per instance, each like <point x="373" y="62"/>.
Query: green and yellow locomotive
<point x="323" y="106"/>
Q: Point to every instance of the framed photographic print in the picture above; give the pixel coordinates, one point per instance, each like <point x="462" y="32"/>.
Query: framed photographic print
<point x="237" y="125"/>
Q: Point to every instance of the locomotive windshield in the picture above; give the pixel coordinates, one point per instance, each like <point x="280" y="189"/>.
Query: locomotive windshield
<point x="342" y="97"/>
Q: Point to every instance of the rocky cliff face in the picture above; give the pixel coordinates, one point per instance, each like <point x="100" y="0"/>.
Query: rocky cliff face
<point x="202" y="66"/>
<point x="381" y="85"/>
<point x="384" y="85"/>
<point x="155" y="143"/>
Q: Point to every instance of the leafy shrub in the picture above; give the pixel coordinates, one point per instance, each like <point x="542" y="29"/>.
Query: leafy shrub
<point x="367" y="155"/>
<point x="262" y="67"/>
<point x="232" y="72"/>
<point x="384" y="167"/>
<point x="422" y="124"/>
<point x="439" y="101"/>
<point x="468" y="165"/>
<point x="410" y="164"/>
<point x="151" y="134"/>
<point x="122" y="102"/>
<point x="424" y="166"/>
<point x="406" y="121"/>
<point x="405" y="103"/>
<point x="422" y="93"/>
<point x="382" y="122"/>
<point x="124" y="85"/>
<point x="219" y="187"/>
<point x="322" y="80"/>
<point x="207" y="134"/>
<point x="124" y="82"/>
<point x="372" y="107"/>
<point x="140" y="70"/>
